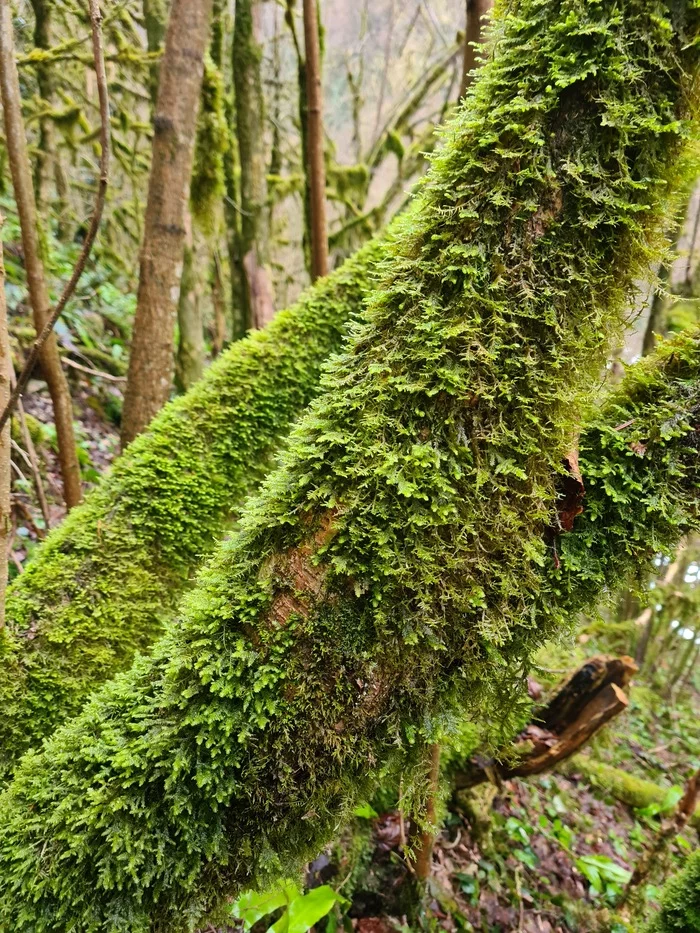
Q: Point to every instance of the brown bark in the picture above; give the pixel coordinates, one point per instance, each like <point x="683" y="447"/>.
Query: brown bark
<point x="424" y="851"/>
<point x="250" y="133"/>
<point x="316" y="167"/>
<point x="36" y="277"/>
<point x="181" y="69"/>
<point x="473" y="36"/>
<point x="592" y="696"/>
<point x="5" y="475"/>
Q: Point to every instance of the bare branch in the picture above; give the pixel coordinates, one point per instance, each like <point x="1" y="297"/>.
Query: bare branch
<point x="98" y="55"/>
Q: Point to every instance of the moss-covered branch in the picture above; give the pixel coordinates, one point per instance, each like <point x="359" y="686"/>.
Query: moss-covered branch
<point x="627" y="788"/>
<point x="399" y="563"/>
<point x="105" y="582"/>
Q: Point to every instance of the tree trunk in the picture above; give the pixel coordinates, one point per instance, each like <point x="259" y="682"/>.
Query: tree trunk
<point x="190" y="348"/>
<point x="250" y="133"/>
<point x="473" y="37"/>
<point x="316" y="167"/>
<point x="181" y="70"/>
<point x="5" y="469"/>
<point x="399" y="564"/>
<point x="36" y="276"/>
<point x="155" y="17"/>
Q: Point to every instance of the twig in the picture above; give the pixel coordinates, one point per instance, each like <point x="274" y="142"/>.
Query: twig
<point x="31" y="451"/>
<point x="98" y="55"/>
<point x="92" y="372"/>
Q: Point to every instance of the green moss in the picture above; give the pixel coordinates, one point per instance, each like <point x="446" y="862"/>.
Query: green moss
<point x="623" y="786"/>
<point x="211" y="143"/>
<point x="397" y="568"/>
<point x="680" y="901"/>
<point x="105" y="581"/>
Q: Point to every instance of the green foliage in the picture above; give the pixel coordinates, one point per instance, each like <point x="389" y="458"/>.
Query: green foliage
<point x="105" y="582"/>
<point x="301" y="911"/>
<point x="680" y="902"/>
<point x="398" y="565"/>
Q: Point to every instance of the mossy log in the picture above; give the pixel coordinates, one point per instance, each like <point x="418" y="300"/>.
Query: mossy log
<point x="589" y="699"/>
<point x="627" y="788"/>
<point x="400" y="566"/>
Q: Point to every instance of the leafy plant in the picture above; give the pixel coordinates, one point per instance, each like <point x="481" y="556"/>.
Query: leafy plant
<point x="604" y="876"/>
<point x="301" y="911"/>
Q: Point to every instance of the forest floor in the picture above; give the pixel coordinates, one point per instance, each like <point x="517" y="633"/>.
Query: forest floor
<point x="557" y="852"/>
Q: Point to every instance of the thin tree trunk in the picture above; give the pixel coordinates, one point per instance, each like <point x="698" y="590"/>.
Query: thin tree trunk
<point x="190" y="348"/>
<point x="424" y="852"/>
<point x="181" y="70"/>
<point x="36" y="277"/>
<point x="250" y="132"/>
<point x="155" y="17"/>
<point x="316" y="168"/>
<point x="303" y="110"/>
<point x="5" y="468"/>
<point x="473" y="36"/>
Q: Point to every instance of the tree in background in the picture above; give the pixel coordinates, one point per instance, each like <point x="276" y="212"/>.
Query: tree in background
<point x="34" y="264"/>
<point x="315" y="148"/>
<point x="151" y="363"/>
<point x="250" y="135"/>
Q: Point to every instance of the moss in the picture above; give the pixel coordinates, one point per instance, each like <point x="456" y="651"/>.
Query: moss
<point x="627" y="788"/>
<point x="397" y="568"/>
<point x="105" y="582"/>
<point x="680" y="901"/>
<point x="211" y="143"/>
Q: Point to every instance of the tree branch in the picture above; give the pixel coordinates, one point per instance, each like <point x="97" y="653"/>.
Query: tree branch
<point x="43" y="336"/>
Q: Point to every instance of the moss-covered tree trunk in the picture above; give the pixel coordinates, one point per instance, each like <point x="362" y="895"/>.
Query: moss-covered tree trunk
<point x="152" y="347"/>
<point x="48" y="163"/>
<point x="407" y="556"/>
<point x="250" y="134"/>
<point x="106" y="581"/>
<point x="190" y="347"/>
<point x="155" y="18"/>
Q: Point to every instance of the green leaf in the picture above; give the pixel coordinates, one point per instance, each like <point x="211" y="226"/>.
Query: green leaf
<point x="307" y="910"/>
<point x="253" y="905"/>
<point x="366" y="811"/>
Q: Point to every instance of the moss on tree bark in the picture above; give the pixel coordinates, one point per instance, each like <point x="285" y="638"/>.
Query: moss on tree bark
<point x="398" y="567"/>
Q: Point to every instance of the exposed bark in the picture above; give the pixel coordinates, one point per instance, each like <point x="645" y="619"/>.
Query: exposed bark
<point x="180" y="82"/>
<point x="36" y="276"/>
<point x="315" y="149"/>
<point x="473" y="37"/>
<point x="590" y="698"/>
<point x="423" y="856"/>
<point x="5" y="454"/>
<point x="250" y="133"/>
